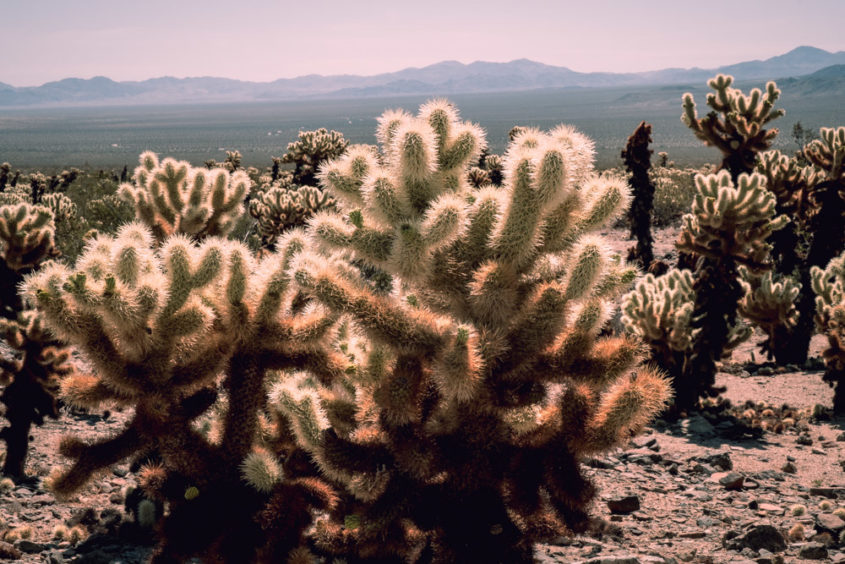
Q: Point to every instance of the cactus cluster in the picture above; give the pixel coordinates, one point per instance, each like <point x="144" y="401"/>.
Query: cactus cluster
<point x="279" y="209"/>
<point x="727" y="233"/>
<point x="166" y="331"/>
<point x="736" y="123"/>
<point x="31" y="363"/>
<point x="173" y="197"/>
<point x="457" y="434"/>
<point x="310" y="150"/>
<point x="829" y="286"/>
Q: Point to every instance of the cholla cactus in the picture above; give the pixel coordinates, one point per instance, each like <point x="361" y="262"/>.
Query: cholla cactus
<point x="458" y="434"/>
<point x="659" y="311"/>
<point x="829" y="286"/>
<point x="728" y="227"/>
<point x="770" y="303"/>
<point x="312" y="149"/>
<point x="173" y="197"/>
<point x="637" y="158"/>
<point x="827" y="196"/>
<point x="29" y="377"/>
<point x="279" y="209"/>
<point x="736" y="123"/>
<point x="164" y="330"/>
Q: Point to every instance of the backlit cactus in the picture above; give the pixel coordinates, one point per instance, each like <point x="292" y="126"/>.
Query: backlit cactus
<point x="659" y="311"/>
<point x="29" y="374"/>
<point x="729" y="227"/>
<point x="278" y="209"/>
<point x="165" y="330"/>
<point x="829" y="286"/>
<point x="173" y="197"/>
<point x="310" y="150"/>
<point x="457" y="432"/>
<point x="736" y="123"/>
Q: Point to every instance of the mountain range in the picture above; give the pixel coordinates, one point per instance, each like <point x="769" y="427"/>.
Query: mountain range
<point x="824" y="70"/>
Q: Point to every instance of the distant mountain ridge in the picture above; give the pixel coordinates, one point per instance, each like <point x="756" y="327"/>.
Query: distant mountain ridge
<point x="443" y="78"/>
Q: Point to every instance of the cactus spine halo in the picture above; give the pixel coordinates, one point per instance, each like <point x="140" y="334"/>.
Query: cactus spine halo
<point x="458" y="430"/>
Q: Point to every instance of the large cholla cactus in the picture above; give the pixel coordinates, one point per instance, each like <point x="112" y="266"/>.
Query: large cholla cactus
<point x="310" y="150"/>
<point x="163" y="331"/>
<point x="29" y="376"/>
<point x="829" y="286"/>
<point x="173" y="197"/>
<point x="736" y="123"/>
<point x="458" y="436"/>
<point x="637" y="158"/>
<point x="729" y="227"/>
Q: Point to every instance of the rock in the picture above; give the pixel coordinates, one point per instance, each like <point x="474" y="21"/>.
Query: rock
<point x="813" y="551"/>
<point x="731" y="480"/>
<point x="830" y="522"/>
<point x="29" y="547"/>
<point x="620" y="559"/>
<point x="721" y="460"/>
<point x="693" y="535"/>
<point x="764" y="536"/>
<point x="9" y="552"/>
<point x="805" y="440"/>
<point x="771" y="508"/>
<point x="789" y="468"/>
<point x="624" y="504"/>
<point x="831" y="493"/>
<point x="698" y="425"/>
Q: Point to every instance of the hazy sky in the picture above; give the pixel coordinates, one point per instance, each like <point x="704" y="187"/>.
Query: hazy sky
<point x="262" y="40"/>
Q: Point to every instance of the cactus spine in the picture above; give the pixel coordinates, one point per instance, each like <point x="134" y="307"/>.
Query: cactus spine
<point x="458" y="435"/>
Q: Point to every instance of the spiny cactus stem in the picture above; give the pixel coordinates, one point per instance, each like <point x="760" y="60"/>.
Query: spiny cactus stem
<point x="245" y="388"/>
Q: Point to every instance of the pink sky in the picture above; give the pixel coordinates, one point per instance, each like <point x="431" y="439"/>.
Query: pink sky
<point x="262" y="40"/>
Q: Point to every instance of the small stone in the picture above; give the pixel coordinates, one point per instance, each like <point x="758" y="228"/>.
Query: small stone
<point x="698" y="425"/>
<point x="789" y="468"/>
<point x="624" y="505"/>
<point x="764" y="536"/>
<point x="721" y="460"/>
<point x="831" y="493"/>
<point x="732" y="481"/>
<point x="805" y="440"/>
<point x="693" y="535"/>
<point x="29" y="547"/>
<point x="813" y="551"/>
<point x="771" y="508"/>
<point x="830" y="522"/>
<point x="8" y="551"/>
<point x="120" y="471"/>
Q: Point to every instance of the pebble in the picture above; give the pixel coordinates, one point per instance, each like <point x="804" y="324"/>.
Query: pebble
<point x="830" y="522"/>
<point x="813" y="551"/>
<point x="730" y="480"/>
<point x="624" y="504"/>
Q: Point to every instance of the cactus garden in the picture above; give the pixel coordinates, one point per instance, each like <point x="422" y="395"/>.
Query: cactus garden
<point x="425" y="351"/>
